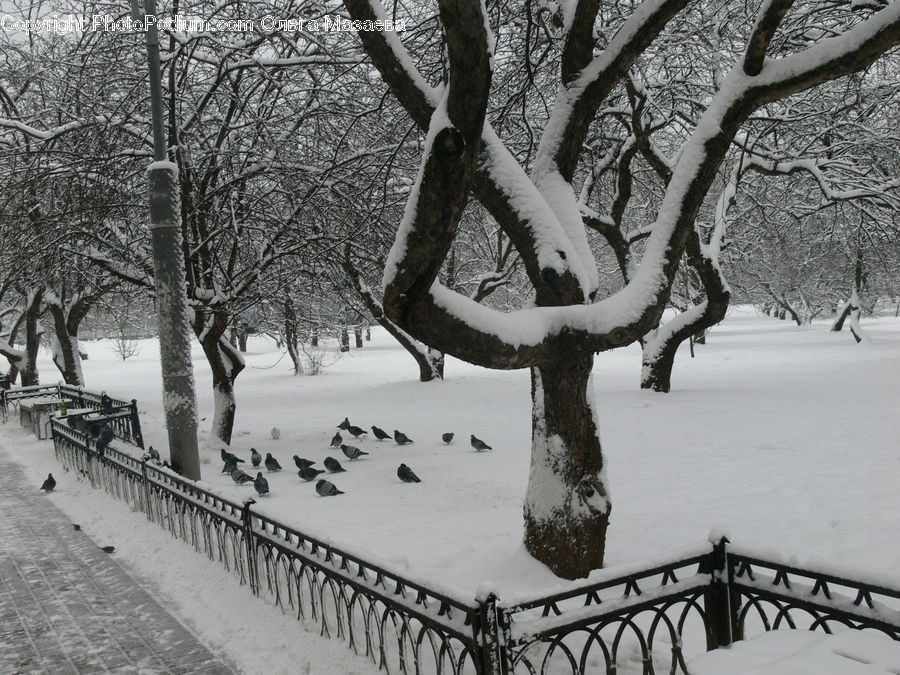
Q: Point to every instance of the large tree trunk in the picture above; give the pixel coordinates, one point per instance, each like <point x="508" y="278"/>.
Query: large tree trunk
<point x="290" y="335"/>
<point x="226" y="363"/>
<point x="357" y="337"/>
<point x="33" y="332"/>
<point x="66" y="355"/>
<point x="15" y="357"/>
<point x="566" y="505"/>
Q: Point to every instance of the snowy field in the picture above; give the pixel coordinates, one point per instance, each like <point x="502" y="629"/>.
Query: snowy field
<point x="785" y="437"/>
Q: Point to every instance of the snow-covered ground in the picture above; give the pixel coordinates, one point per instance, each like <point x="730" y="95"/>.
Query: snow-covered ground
<point x="785" y="437"/>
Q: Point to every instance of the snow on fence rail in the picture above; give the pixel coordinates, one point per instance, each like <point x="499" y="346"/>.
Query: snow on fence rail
<point x="653" y="619"/>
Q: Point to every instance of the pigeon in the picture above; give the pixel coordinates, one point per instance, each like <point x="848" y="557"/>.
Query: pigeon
<point x="356" y="432"/>
<point x="336" y="440"/>
<point x="104" y="439"/>
<point x="406" y="474"/>
<point x="255" y="458"/>
<point x="276" y="433"/>
<point x="345" y="424"/>
<point x="154" y="455"/>
<point x="351" y="452"/>
<point x="272" y="463"/>
<point x="106" y="403"/>
<point x="94" y="429"/>
<point x="72" y="421"/>
<point x="309" y="473"/>
<point x="49" y="484"/>
<point x="261" y="484"/>
<point x="479" y="444"/>
<point x="447" y="438"/>
<point x="333" y="465"/>
<point x="229" y="466"/>
<point x="327" y="488"/>
<point x="380" y="434"/>
<point x="240" y="476"/>
<point x="228" y="455"/>
<point x="401" y="438"/>
<point x="302" y="463"/>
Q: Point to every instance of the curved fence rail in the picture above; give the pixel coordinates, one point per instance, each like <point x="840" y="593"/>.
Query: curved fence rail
<point x="651" y="620"/>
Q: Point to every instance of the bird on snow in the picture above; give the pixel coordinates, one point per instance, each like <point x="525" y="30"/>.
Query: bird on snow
<point x="276" y="433"/>
<point x="240" y="476"/>
<point x="309" y="473"/>
<point x="333" y="465"/>
<point x="327" y="488"/>
<point x="352" y="452"/>
<point x="230" y="465"/>
<point x="94" y="429"/>
<point x="104" y="439"/>
<point x="302" y="463"/>
<point x="261" y="484"/>
<point x="230" y="455"/>
<point x="106" y="403"/>
<point x="401" y="438"/>
<point x="49" y="484"/>
<point x="380" y="434"/>
<point x="447" y="437"/>
<point x="272" y="463"/>
<point x="255" y="458"/>
<point x="345" y="424"/>
<point x="479" y="444"/>
<point x="406" y="474"/>
<point x="336" y="440"/>
<point x="356" y="432"/>
<point x="154" y="454"/>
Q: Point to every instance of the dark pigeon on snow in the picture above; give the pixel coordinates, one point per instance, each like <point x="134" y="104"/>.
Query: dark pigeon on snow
<point x="104" y="439"/>
<point x="336" y="440"/>
<point x="380" y="434"/>
<point x="230" y="466"/>
<point x="447" y="438"/>
<point x="479" y="444"/>
<point x="49" y="484"/>
<point x="230" y="455"/>
<point x="309" y="473"/>
<point x="272" y="463"/>
<point x="345" y="424"/>
<point x="327" y="488"/>
<point x="352" y="452"/>
<point x="261" y="484"/>
<point x="356" y="432"/>
<point x="153" y="454"/>
<point x="255" y="458"/>
<point x="401" y="438"/>
<point x="406" y="474"/>
<point x="302" y="463"/>
<point x="106" y="403"/>
<point x="240" y="476"/>
<point x="333" y="465"/>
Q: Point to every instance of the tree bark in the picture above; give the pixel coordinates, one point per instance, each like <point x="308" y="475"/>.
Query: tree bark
<point x="357" y="337"/>
<point x="345" y="340"/>
<point x="33" y="332"/>
<point x="566" y="505"/>
<point x="226" y="363"/>
<point x="290" y="335"/>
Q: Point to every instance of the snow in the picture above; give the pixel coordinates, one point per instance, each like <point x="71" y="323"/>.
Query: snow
<point x="799" y="652"/>
<point x="784" y="437"/>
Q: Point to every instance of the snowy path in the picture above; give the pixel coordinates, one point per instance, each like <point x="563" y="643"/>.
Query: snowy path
<point x="68" y="607"/>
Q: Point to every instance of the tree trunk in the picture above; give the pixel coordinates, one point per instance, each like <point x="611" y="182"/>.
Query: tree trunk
<point x="66" y="355"/>
<point x="357" y="337"/>
<point x="242" y="337"/>
<point x="314" y="339"/>
<point x="33" y="332"/>
<point x="226" y="363"/>
<point x="290" y="335"/>
<point x="566" y="505"/>
<point x="345" y="340"/>
<point x="369" y="332"/>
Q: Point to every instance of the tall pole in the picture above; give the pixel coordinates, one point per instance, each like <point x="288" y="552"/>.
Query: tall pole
<point x="179" y="398"/>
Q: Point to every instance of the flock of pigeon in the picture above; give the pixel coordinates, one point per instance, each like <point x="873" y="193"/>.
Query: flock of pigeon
<point x="307" y="472"/>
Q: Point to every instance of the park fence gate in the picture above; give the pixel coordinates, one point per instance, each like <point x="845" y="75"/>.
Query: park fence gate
<point x="652" y="620"/>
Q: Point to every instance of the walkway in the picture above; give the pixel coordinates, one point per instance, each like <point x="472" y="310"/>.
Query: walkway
<point x="68" y="607"/>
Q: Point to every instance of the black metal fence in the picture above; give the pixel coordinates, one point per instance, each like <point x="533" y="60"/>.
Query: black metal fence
<point x="649" y="620"/>
<point x="121" y="416"/>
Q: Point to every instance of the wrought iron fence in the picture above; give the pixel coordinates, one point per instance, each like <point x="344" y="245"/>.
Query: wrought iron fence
<point x="121" y="416"/>
<point x="650" y="620"/>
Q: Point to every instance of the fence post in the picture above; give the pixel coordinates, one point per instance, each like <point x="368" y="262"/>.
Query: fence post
<point x="488" y="637"/>
<point x="148" y="508"/>
<point x="136" y="425"/>
<point x="720" y="601"/>
<point x="247" y="520"/>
